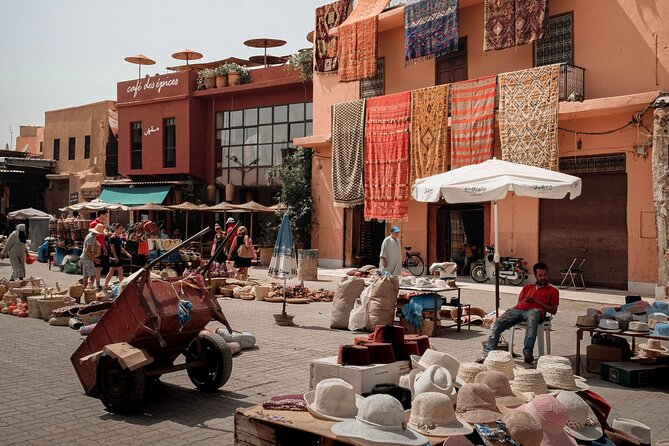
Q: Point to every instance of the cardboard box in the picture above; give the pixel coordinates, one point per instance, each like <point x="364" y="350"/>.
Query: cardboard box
<point x="597" y="354"/>
<point x="362" y="378"/>
<point x="633" y="374"/>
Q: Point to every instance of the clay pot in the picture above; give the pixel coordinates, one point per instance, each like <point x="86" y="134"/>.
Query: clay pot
<point x="221" y="81"/>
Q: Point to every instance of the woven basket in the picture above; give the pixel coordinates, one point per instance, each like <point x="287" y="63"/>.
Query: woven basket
<point x="76" y="291"/>
<point x="90" y="295"/>
<point x="10" y="296"/>
<point x="261" y="292"/>
<point x="33" y="307"/>
<point x="48" y="304"/>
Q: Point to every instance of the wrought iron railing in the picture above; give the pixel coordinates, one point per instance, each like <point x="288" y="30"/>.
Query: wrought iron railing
<point x="572" y="83"/>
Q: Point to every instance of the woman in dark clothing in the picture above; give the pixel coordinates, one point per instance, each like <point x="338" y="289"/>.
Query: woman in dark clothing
<point x="219" y="237"/>
<point x="242" y="262"/>
<point x="115" y="251"/>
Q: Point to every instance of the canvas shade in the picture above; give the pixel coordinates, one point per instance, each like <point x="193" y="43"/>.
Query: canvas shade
<point x="95" y="205"/>
<point x="187" y="55"/>
<point x="152" y="207"/>
<point x="491" y="180"/>
<point x="187" y="206"/>
<point x="252" y="207"/>
<point x="25" y="214"/>
<point x="133" y="196"/>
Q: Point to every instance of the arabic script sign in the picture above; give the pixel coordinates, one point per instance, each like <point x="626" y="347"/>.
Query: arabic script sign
<point x="150" y="130"/>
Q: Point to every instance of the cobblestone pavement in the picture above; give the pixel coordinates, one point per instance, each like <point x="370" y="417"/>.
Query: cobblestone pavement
<point x="43" y="402"/>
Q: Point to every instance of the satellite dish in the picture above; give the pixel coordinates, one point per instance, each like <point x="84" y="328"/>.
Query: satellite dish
<point x="25" y="148"/>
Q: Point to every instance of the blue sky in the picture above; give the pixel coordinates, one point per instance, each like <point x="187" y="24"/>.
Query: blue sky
<point x="63" y="53"/>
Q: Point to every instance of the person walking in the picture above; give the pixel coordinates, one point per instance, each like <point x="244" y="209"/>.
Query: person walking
<point x="15" y="248"/>
<point x="534" y="301"/>
<point x="102" y="218"/>
<point x="391" y="253"/>
<point x="219" y="237"/>
<point x="90" y="257"/>
<point x="242" y="250"/>
<point x="115" y="251"/>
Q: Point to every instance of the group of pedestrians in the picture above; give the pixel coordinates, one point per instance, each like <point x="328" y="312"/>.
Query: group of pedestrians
<point x="240" y="251"/>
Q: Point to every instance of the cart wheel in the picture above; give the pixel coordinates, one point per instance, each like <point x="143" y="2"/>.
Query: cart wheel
<point x="213" y="375"/>
<point x="120" y="389"/>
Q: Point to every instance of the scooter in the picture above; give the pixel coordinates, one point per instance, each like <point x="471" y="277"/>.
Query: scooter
<point x="511" y="269"/>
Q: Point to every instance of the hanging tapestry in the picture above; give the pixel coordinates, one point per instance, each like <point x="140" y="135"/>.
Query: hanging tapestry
<point x="348" y="131"/>
<point x="325" y="46"/>
<point x="512" y="22"/>
<point x="472" y="121"/>
<point x="528" y="116"/>
<point x="431" y="28"/>
<point x="429" y="132"/>
<point x="387" y="157"/>
<point x="357" y="41"/>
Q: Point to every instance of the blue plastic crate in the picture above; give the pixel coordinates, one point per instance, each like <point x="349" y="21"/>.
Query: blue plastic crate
<point x="154" y="254"/>
<point x="172" y="258"/>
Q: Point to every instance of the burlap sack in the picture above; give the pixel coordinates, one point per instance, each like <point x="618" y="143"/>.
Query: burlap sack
<point x="381" y="305"/>
<point x="347" y="292"/>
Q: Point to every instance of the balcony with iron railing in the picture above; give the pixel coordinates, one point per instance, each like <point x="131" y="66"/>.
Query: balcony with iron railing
<point x="572" y="83"/>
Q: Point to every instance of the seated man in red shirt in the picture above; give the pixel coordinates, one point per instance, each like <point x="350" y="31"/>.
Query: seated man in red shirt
<point x="534" y="301"/>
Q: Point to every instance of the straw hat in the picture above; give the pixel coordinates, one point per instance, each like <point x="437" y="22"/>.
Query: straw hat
<point x="661" y="329"/>
<point x="333" y="399"/>
<point x="552" y="416"/>
<point x="653" y="345"/>
<point x="529" y="381"/>
<point x="636" y="327"/>
<point x="458" y="440"/>
<point x="433" y="379"/>
<point x="500" y="361"/>
<point x="468" y="371"/>
<point x="523" y="428"/>
<point x="560" y="376"/>
<point x="586" y="321"/>
<point x="609" y="326"/>
<point x="380" y="419"/>
<point x="660" y="317"/>
<point x="432" y="414"/>
<point x="501" y="388"/>
<point x="549" y="360"/>
<point x="634" y="428"/>
<point x="433" y="357"/>
<point x="476" y="404"/>
<point x="582" y="422"/>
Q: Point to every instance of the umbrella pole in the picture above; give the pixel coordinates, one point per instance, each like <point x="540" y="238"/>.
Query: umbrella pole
<point x="496" y="259"/>
<point x="283" y="311"/>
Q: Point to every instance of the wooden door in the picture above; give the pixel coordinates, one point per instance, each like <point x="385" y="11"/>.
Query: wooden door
<point x="452" y="67"/>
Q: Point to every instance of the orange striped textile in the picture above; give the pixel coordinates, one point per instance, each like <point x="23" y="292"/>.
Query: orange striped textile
<point x="472" y="121"/>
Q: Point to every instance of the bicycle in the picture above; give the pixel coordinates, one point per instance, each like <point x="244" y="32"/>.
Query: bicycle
<point x="413" y="262"/>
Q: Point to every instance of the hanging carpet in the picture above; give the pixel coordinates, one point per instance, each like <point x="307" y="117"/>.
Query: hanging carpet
<point x="325" y="46"/>
<point x="512" y="22"/>
<point x="348" y="131"/>
<point x="431" y="28"/>
<point x="387" y="157"/>
<point x="357" y="41"/>
<point x="528" y="116"/>
<point x="472" y="121"/>
<point x="429" y="132"/>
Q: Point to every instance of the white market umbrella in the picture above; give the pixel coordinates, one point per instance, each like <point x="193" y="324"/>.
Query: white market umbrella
<point x="284" y="260"/>
<point x="490" y="181"/>
<point x="27" y="213"/>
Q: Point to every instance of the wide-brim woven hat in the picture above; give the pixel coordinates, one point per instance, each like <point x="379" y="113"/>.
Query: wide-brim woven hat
<point x="529" y="381"/>
<point x="653" y="345"/>
<point x="608" y="326"/>
<point x="380" y="419"/>
<point x="434" y="379"/>
<point x="431" y="414"/>
<point x="552" y="416"/>
<point x="500" y="361"/>
<point x="523" y="427"/>
<point x="468" y="372"/>
<point x="636" y="327"/>
<point x="634" y="428"/>
<point x="433" y="357"/>
<point x="586" y="321"/>
<point x="582" y="422"/>
<point x="504" y="394"/>
<point x="476" y="404"/>
<point x="549" y="360"/>
<point x="333" y="399"/>
<point x="561" y="377"/>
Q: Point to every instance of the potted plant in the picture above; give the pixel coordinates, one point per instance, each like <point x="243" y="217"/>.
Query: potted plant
<point x="237" y="74"/>
<point x="267" y="238"/>
<point x="221" y="76"/>
<point x="207" y="78"/>
<point x="302" y="61"/>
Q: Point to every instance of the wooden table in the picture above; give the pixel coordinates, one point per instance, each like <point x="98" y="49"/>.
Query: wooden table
<point x="593" y="330"/>
<point x="256" y="426"/>
<point x="438" y="290"/>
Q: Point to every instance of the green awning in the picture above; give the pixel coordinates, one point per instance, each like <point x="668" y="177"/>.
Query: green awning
<point x="134" y="196"/>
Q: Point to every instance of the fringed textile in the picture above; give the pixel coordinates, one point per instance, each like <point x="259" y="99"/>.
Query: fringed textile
<point x="431" y="28"/>
<point x="387" y="157"/>
<point x="429" y="132"/>
<point x="348" y="132"/>
<point x="325" y="46"/>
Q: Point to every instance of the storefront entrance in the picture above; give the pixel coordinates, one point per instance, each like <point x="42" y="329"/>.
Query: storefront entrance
<point x="455" y="226"/>
<point x="363" y="239"/>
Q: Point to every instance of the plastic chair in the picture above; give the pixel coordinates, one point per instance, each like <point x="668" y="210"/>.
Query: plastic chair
<point x="570" y="274"/>
<point x="543" y="335"/>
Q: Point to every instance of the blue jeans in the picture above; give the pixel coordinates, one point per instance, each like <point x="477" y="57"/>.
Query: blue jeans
<point x="510" y="318"/>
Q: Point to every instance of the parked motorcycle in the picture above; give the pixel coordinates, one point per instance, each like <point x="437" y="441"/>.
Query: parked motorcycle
<point x="511" y="269"/>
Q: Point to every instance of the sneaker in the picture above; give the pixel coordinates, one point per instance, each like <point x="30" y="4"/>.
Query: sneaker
<point x="528" y="358"/>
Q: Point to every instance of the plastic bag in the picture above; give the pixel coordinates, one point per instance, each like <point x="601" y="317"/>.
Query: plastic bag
<point x="358" y="318"/>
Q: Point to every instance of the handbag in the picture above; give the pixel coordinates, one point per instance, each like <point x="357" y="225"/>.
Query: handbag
<point x="245" y="252"/>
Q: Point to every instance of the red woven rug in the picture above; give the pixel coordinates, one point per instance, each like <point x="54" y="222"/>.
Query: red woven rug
<point x="357" y="41"/>
<point x="387" y="157"/>
<point x="325" y="46"/>
<point x="472" y="121"/>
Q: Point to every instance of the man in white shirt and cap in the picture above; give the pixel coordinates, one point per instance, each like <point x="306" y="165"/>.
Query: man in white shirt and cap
<point x="391" y="253"/>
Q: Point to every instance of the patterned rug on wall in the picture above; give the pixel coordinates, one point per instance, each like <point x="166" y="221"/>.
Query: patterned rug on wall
<point x="348" y="131"/>
<point x="387" y="157"/>
<point x="357" y="41"/>
<point x="431" y="28"/>
<point x="325" y="46"/>
<point x="528" y="116"/>
<point x="472" y="121"/>
<point x="508" y="23"/>
<point x="429" y="132"/>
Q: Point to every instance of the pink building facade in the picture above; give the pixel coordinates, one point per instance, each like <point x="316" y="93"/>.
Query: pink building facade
<point x="619" y="49"/>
